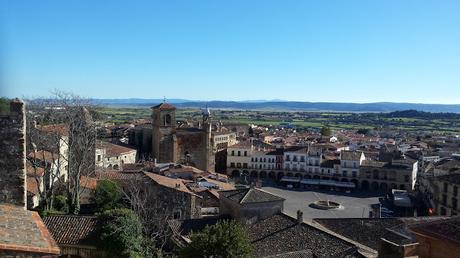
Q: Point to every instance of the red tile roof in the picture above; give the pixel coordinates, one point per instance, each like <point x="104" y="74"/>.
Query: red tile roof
<point x="32" y="170"/>
<point x="59" y="129"/>
<point x="177" y="184"/>
<point x="23" y="231"/>
<point x="73" y="229"/>
<point x="113" y="149"/>
<point x="164" y="106"/>
<point x="44" y="155"/>
<point x="32" y="186"/>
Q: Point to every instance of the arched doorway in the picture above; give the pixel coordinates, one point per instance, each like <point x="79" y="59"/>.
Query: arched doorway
<point x="375" y="186"/>
<point x="365" y="185"/>
<point x="384" y="187"/>
<point x="394" y="186"/>
<point x="280" y="175"/>
<point x="254" y="173"/>
<point x="272" y="175"/>
<point x="263" y="174"/>
<point x="298" y="175"/>
<point x="236" y="173"/>
<point x="354" y="181"/>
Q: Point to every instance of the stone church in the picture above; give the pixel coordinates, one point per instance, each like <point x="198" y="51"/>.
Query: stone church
<point x="191" y="146"/>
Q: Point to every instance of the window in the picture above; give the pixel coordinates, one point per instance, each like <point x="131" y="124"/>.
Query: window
<point x="445" y="187"/>
<point x="354" y="173"/>
<point x="245" y="153"/>
<point x="288" y="158"/>
<point x="256" y="159"/>
<point x="245" y="165"/>
<point x="455" y="190"/>
<point x="345" y="164"/>
<point x="233" y="153"/>
<point x="302" y="159"/>
<point x="232" y="164"/>
<point x="454" y="203"/>
<point x="98" y="157"/>
<point x="354" y="164"/>
<point x="239" y="153"/>
<point x="238" y="165"/>
<point x="265" y="159"/>
<point x="444" y="200"/>
<point x="344" y="173"/>
<point x="316" y="163"/>
<point x="294" y="158"/>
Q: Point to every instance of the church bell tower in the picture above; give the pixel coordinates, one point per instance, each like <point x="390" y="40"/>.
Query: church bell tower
<point x="164" y="140"/>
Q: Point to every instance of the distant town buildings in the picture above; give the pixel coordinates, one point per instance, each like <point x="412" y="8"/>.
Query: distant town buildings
<point x="312" y="165"/>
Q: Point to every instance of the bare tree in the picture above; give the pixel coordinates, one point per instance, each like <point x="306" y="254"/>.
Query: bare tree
<point x="62" y="127"/>
<point x="153" y="208"/>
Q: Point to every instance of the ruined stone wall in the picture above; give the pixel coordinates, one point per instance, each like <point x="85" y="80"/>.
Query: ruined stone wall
<point x="12" y="155"/>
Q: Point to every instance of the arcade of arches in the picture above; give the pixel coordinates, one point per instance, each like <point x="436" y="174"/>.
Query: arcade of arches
<point x="363" y="184"/>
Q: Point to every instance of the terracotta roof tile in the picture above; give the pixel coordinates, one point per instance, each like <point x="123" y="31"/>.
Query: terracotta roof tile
<point x="59" y="129"/>
<point x="164" y="106"/>
<point x="173" y="183"/>
<point x="73" y="229"/>
<point x="113" y="149"/>
<point x="23" y="230"/>
<point x="44" y="155"/>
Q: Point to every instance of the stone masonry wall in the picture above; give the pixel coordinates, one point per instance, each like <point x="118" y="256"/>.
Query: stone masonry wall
<point x="12" y="155"/>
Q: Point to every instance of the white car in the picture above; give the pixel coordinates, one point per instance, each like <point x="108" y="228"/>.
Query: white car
<point x="290" y="186"/>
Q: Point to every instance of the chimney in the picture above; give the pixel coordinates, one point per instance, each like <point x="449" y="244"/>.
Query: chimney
<point x="13" y="184"/>
<point x="299" y="217"/>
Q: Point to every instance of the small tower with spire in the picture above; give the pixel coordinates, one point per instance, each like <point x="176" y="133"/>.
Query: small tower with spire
<point x="207" y="127"/>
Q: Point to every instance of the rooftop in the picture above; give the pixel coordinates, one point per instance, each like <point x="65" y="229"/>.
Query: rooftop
<point x="113" y="149"/>
<point x="350" y="155"/>
<point x="281" y="235"/>
<point x="164" y="106"/>
<point x="369" y="231"/>
<point x="72" y="229"/>
<point x="446" y="229"/>
<point x="250" y="195"/>
<point x="177" y="184"/>
<point x="24" y="231"/>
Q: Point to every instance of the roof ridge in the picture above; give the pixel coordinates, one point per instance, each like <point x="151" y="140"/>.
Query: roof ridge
<point x="245" y="195"/>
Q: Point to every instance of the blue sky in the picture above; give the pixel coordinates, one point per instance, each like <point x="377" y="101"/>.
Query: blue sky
<point x="339" y="51"/>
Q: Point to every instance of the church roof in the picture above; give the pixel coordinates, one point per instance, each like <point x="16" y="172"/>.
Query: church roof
<point x="164" y="106"/>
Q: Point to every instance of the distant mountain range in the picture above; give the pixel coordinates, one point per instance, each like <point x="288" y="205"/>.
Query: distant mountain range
<point x="287" y="105"/>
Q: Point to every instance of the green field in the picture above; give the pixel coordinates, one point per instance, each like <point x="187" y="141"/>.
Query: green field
<point x="303" y="120"/>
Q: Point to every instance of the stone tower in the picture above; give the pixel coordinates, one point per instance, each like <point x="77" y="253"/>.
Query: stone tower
<point x="13" y="182"/>
<point x="207" y="127"/>
<point x="164" y="140"/>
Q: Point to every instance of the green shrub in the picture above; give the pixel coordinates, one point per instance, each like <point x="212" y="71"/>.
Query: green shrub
<point x="225" y="239"/>
<point x="121" y="233"/>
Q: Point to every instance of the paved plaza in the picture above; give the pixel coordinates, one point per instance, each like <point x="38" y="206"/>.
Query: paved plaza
<point x="355" y="205"/>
